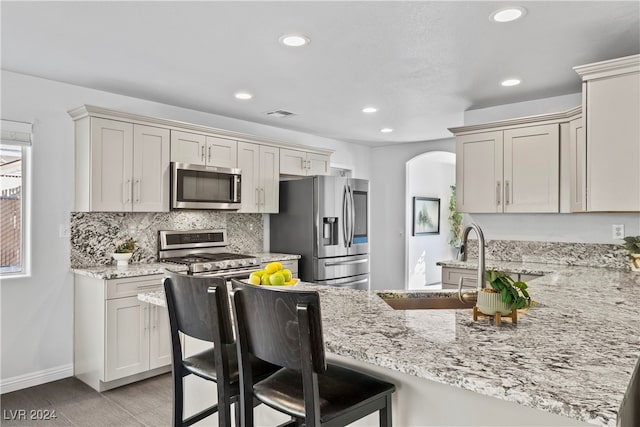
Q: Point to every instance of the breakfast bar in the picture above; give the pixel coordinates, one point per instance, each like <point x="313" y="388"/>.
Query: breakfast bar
<point x="569" y="360"/>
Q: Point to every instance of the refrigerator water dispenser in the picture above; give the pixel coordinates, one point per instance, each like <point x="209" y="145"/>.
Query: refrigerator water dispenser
<point x="329" y="231"/>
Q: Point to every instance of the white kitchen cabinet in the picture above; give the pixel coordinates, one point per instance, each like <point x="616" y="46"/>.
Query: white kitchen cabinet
<point x="260" y="166"/>
<point x="121" y="166"/>
<point x="303" y="163"/>
<point x="578" y="166"/>
<point x="611" y="108"/>
<point x="205" y="150"/>
<point x="118" y="339"/>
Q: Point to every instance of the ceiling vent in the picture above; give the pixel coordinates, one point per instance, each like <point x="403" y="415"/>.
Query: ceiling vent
<point x="280" y="113"/>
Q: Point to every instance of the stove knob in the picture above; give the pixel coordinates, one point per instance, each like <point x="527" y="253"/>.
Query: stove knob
<point x="242" y="263"/>
<point x="231" y="264"/>
<point x="206" y="266"/>
<point x="253" y="262"/>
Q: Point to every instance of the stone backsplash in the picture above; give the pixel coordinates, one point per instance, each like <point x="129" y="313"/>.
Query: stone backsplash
<point x="578" y="254"/>
<point x="94" y="235"/>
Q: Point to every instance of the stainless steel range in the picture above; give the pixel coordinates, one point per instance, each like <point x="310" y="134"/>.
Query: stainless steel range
<point x="205" y="253"/>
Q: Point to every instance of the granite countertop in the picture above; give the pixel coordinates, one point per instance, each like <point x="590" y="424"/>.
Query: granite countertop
<point x="534" y="268"/>
<point x="573" y="354"/>
<point x="145" y="269"/>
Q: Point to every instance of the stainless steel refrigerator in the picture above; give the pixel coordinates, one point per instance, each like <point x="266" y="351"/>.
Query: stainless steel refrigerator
<point x="326" y="220"/>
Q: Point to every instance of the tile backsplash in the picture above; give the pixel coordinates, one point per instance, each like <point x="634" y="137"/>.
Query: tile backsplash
<point x="94" y="235"/>
<point x="579" y="254"/>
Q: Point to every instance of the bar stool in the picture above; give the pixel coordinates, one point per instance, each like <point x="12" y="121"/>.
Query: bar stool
<point x="284" y="327"/>
<point x="199" y="307"/>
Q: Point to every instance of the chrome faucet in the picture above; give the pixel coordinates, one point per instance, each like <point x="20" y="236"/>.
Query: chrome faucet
<point x="463" y="256"/>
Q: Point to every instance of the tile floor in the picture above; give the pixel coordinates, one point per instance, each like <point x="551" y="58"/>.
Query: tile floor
<point x="145" y="403"/>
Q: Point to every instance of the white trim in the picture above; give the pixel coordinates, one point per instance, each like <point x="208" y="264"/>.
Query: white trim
<point x="609" y="68"/>
<point x="35" y="378"/>
<point x="15" y="133"/>
<point x="106" y="113"/>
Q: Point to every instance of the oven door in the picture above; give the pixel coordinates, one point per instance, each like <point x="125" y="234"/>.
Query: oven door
<point x="204" y="187"/>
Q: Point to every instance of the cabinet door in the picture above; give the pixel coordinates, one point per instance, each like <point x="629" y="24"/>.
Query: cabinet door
<point x="532" y="169"/>
<point x="150" y="169"/>
<point x="222" y="152"/>
<point x="188" y="147"/>
<point x="111" y="165"/>
<point x="127" y="338"/>
<point x="292" y="162"/>
<point x="613" y="143"/>
<point x="249" y="164"/>
<point x="479" y="172"/>
<point x="159" y="337"/>
<point x="269" y="179"/>
<point x="578" y="168"/>
<point x="318" y="164"/>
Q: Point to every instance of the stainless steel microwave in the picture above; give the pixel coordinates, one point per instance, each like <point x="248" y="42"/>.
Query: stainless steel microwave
<point x="204" y="187"/>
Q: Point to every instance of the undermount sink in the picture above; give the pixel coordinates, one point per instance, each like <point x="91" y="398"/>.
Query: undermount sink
<point x="429" y="300"/>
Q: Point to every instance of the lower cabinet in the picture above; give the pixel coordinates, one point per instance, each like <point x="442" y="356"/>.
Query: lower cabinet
<point x="119" y="339"/>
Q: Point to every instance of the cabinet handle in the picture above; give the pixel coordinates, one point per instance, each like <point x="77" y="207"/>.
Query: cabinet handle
<point x="209" y="157"/>
<point x="263" y="195"/>
<point x="506" y="192"/>
<point x="257" y="197"/>
<point x="137" y="184"/>
<point x="155" y="316"/>
<point x="202" y="153"/>
<point x="498" y="193"/>
<point x="146" y="318"/>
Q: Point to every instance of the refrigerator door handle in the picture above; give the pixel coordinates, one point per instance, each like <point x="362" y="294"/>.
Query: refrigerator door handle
<point x="358" y="261"/>
<point x="352" y="228"/>
<point x="345" y="234"/>
<point x="355" y="282"/>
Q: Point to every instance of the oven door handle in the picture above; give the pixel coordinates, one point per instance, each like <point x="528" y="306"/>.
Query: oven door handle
<point x="242" y="274"/>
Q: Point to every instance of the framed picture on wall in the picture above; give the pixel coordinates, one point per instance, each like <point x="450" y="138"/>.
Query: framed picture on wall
<point x="426" y="216"/>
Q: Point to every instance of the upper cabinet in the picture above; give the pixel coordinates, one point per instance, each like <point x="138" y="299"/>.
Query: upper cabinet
<point x="121" y="166"/>
<point x="260" y="166"/>
<point x="611" y="104"/>
<point x="199" y="149"/>
<point x="303" y="163"/>
<point x="507" y="167"/>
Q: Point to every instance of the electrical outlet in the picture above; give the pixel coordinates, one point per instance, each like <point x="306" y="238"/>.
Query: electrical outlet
<point x="64" y="231"/>
<point x="617" y="231"/>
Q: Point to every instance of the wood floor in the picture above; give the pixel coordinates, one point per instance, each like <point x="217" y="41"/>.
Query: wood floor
<point x="145" y="403"/>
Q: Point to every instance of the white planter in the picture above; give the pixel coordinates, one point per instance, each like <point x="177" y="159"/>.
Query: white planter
<point x="490" y="303"/>
<point x="122" y="260"/>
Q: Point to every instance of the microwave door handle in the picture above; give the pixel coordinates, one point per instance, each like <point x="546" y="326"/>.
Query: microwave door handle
<point x="236" y="191"/>
<point x="344" y="217"/>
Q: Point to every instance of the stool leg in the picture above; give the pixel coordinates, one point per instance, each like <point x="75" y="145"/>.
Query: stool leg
<point x="385" y="413"/>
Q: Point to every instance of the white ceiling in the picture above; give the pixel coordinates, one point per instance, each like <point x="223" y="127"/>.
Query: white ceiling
<point x="421" y="63"/>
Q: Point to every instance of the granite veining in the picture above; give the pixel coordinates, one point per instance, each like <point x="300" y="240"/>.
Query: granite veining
<point x="572" y="355"/>
<point x="274" y="256"/>
<point x="577" y="254"/>
<point x="132" y="270"/>
<point x="94" y="235"/>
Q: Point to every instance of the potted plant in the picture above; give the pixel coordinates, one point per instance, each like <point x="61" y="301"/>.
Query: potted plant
<point x="455" y="222"/>
<point x="632" y="244"/>
<point x="123" y="252"/>
<point x="504" y="295"/>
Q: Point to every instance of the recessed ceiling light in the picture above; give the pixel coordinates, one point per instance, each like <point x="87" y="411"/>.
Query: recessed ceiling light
<point x="294" y="40"/>
<point x="510" y="82"/>
<point x="386" y="130"/>
<point x="508" y="14"/>
<point x="369" y="109"/>
<point x="243" y="95"/>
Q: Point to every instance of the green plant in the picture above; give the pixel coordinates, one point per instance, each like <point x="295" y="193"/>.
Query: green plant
<point x="455" y="220"/>
<point x="511" y="292"/>
<point x="127" y="247"/>
<point x="632" y="244"/>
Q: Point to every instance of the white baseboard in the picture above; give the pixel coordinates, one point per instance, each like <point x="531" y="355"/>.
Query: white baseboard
<point x="35" y="378"/>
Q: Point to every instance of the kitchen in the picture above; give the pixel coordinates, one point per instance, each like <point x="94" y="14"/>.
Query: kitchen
<point x="43" y="304"/>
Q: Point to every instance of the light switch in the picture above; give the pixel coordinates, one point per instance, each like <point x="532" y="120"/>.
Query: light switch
<point x="64" y="231"/>
<point x="618" y="231"/>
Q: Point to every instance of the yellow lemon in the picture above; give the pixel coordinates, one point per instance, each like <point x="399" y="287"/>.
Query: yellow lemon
<point x="277" y="279"/>
<point x="259" y="273"/>
<point x="290" y="282"/>
<point x="272" y="267"/>
<point x="254" y="280"/>
<point x="287" y="274"/>
<point x="264" y="279"/>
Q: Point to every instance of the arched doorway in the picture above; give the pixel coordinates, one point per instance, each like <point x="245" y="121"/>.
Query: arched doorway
<point x="429" y="175"/>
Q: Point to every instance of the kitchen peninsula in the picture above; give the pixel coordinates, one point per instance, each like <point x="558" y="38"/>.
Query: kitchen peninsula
<point x="571" y="358"/>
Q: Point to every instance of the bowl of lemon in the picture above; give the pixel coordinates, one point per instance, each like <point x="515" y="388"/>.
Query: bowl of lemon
<point x="273" y="275"/>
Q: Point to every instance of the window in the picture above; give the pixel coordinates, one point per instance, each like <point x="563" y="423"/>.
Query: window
<point x="14" y="146"/>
